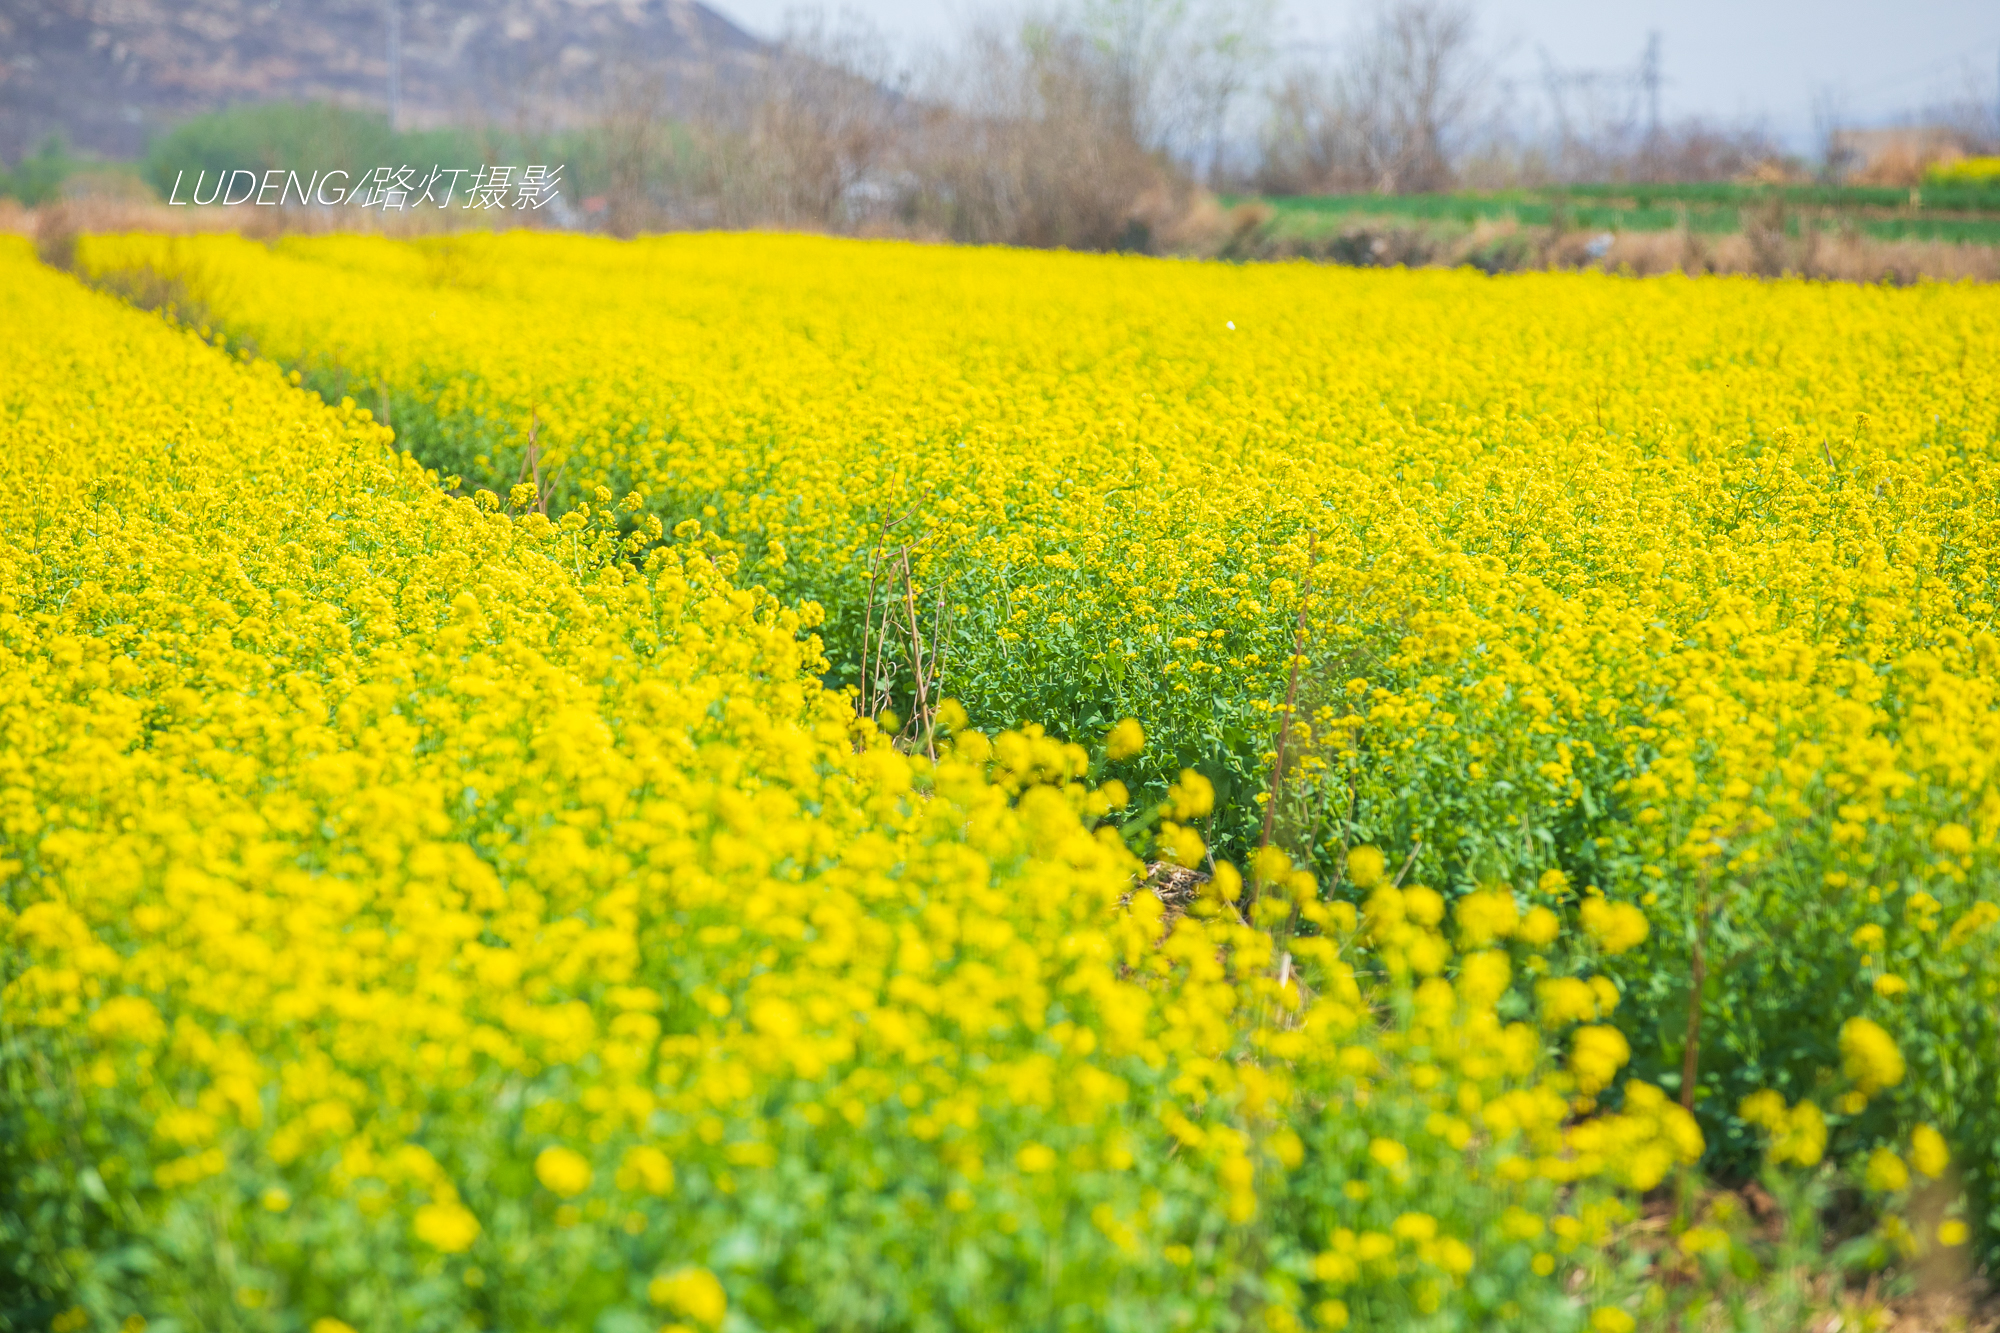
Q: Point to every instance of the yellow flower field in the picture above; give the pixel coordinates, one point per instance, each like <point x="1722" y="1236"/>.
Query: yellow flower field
<point x="425" y="912"/>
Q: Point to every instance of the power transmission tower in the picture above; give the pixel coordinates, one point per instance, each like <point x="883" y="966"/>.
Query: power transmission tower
<point x="1612" y="102"/>
<point x="1649" y="83"/>
<point x="1649" y="77"/>
<point x="395" y="8"/>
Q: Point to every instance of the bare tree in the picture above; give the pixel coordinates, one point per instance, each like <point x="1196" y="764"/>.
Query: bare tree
<point x="1392" y="116"/>
<point x="1419" y="83"/>
<point x="1178" y="69"/>
<point x="1228" y="60"/>
<point x="1972" y="113"/>
<point x="631" y="128"/>
<point x="1030" y="140"/>
<point x="1309" y="142"/>
<point x="1415" y="105"/>
<point x="796" y="137"/>
<point x="823" y="121"/>
<point x="1829" y="118"/>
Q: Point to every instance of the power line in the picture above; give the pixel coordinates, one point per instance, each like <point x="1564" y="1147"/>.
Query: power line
<point x="1630" y="84"/>
<point x="1909" y="74"/>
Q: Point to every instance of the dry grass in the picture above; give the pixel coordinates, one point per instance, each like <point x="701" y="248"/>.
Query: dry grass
<point x="109" y="215"/>
<point x="104" y="215"/>
<point x="1794" y="1278"/>
<point x="1253" y="232"/>
<point x="1028" y="196"/>
<point x="1967" y="1307"/>
<point x="1835" y="258"/>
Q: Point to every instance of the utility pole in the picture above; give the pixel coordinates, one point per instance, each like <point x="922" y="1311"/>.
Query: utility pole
<point x="395" y="8"/>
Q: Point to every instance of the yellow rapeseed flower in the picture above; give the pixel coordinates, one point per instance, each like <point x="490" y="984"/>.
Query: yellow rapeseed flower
<point x="1886" y="1172"/>
<point x="563" y="1171"/>
<point x="1616" y="927"/>
<point x="449" y="1226"/>
<point x="1870" y="1056"/>
<point x="1928" y="1152"/>
<point x="1365" y="867"/>
<point x="1124" y="741"/>
<point x="694" y="1292"/>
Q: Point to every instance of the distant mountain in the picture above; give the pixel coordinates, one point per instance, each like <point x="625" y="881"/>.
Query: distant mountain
<point x="104" y="74"/>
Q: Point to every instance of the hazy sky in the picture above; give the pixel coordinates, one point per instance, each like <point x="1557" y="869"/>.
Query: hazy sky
<point x="1727" y="59"/>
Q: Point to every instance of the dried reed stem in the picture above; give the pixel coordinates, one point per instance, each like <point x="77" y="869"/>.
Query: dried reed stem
<point x="1291" y="695"/>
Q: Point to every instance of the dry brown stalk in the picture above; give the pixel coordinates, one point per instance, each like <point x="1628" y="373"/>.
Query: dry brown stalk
<point x="1291" y="694"/>
<point x="900" y="618"/>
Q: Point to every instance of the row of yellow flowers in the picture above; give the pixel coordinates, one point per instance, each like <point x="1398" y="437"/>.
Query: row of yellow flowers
<point x="420" y="913"/>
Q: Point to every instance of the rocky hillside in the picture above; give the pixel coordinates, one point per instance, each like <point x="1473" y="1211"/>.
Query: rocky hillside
<point x="106" y="73"/>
